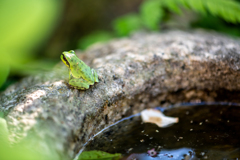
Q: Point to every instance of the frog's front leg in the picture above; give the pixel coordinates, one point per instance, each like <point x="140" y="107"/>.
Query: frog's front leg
<point x="95" y="75"/>
<point x="70" y="75"/>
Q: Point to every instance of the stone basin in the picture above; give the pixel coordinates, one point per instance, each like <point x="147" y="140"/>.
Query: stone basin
<point x="143" y="71"/>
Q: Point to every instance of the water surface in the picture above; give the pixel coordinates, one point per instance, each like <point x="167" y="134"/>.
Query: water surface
<point x="204" y="131"/>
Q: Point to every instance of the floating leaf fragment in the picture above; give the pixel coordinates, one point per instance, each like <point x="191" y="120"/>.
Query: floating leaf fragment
<point x="98" y="155"/>
<point x="157" y="117"/>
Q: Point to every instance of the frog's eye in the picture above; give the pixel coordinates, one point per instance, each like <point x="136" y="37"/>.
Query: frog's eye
<point x="72" y="51"/>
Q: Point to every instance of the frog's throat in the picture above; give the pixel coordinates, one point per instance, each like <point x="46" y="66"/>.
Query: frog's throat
<point x="65" y="61"/>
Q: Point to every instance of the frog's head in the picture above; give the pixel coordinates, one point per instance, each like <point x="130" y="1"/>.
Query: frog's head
<point x="68" y="57"/>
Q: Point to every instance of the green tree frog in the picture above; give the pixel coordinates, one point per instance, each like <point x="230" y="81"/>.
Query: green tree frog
<point x="80" y="74"/>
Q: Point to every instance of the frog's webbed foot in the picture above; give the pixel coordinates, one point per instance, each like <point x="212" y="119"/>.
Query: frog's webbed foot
<point x="95" y="75"/>
<point x="80" y="88"/>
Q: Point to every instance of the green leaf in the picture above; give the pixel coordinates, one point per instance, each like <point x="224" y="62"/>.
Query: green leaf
<point x="229" y="10"/>
<point x="151" y="13"/>
<point x="197" y="5"/>
<point x="94" y="155"/>
<point x="3" y="131"/>
<point x="127" y="24"/>
<point x="23" y="29"/>
<point x="172" y="5"/>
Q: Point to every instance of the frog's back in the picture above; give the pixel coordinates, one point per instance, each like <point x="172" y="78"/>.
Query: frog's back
<point x="85" y="72"/>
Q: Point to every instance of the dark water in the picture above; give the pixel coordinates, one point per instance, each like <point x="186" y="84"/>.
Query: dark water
<point x="203" y="132"/>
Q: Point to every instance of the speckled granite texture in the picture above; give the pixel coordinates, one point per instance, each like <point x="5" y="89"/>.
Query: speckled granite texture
<point x="145" y="70"/>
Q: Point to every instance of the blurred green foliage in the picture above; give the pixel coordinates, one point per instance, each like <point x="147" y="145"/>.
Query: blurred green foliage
<point x="124" y="25"/>
<point x="222" y="26"/>
<point x="151" y="14"/>
<point x="96" y="36"/>
<point x="24" y="26"/>
<point x="20" y="151"/>
<point x="152" y="11"/>
<point x="221" y="15"/>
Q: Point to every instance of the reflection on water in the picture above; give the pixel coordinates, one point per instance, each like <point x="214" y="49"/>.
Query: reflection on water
<point x="203" y="132"/>
<point x="163" y="155"/>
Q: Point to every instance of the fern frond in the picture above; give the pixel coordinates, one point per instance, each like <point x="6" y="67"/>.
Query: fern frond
<point x="152" y="10"/>
<point x="229" y="10"/>
<point x="226" y="9"/>
<point x="197" y="5"/>
<point x="151" y="13"/>
<point x="126" y="24"/>
<point x="172" y="6"/>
